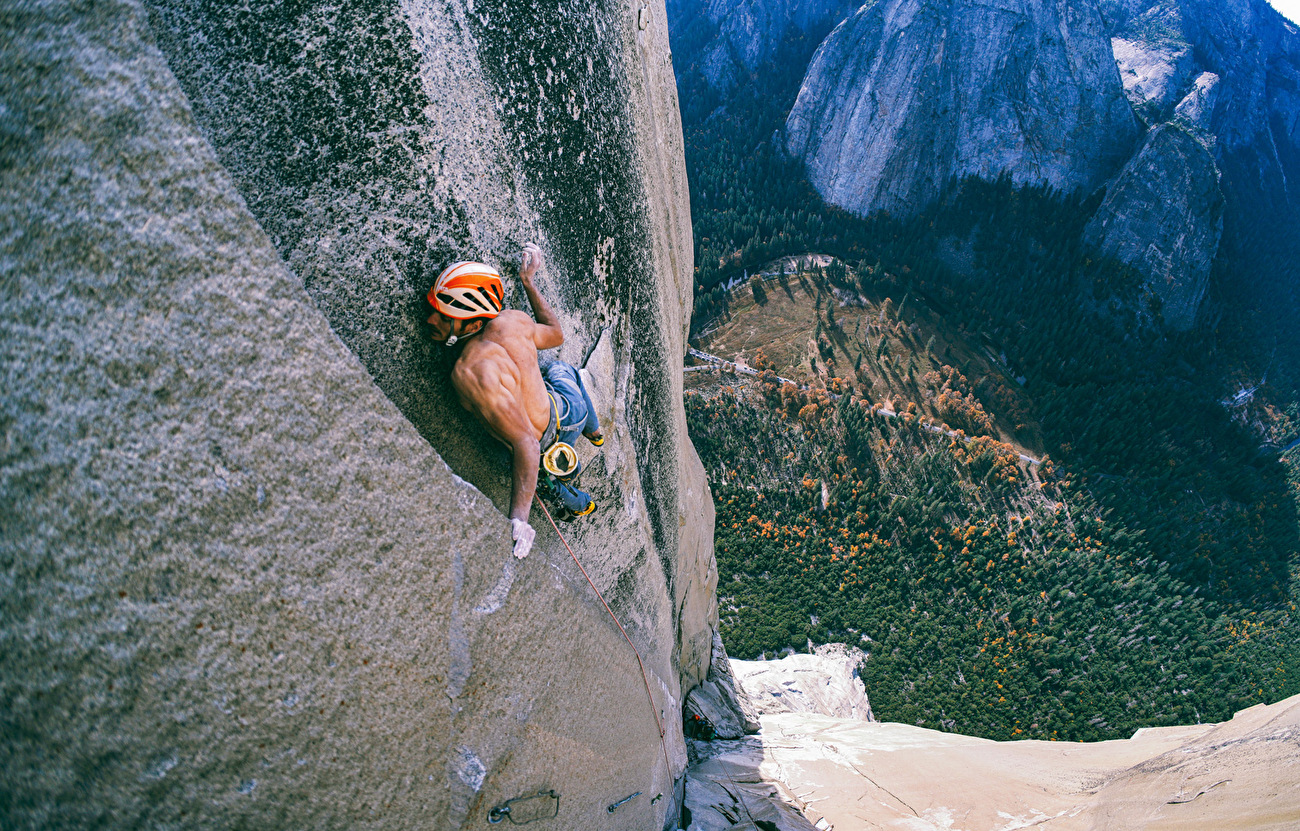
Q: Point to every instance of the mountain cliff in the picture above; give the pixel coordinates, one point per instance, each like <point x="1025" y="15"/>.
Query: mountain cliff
<point x="906" y="94"/>
<point x="1163" y="216"/>
<point x="1233" y="68"/>
<point x="727" y="42"/>
<point x="255" y="567"/>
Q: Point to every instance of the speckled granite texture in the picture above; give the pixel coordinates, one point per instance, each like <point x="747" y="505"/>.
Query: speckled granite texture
<point x="254" y="570"/>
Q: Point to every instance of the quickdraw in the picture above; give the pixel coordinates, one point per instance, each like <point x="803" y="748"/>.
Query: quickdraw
<point x="511" y="809"/>
<point x="612" y="808"/>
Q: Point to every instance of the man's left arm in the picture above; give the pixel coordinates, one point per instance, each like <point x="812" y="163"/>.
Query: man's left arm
<point x="548" y="334"/>
<point x="483" y="390"/>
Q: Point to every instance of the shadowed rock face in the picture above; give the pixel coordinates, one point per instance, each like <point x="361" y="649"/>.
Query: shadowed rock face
<point x="727" y="40"/>
<point x="1163" y="215"/>
<point x="1254" y="117"/>
<point x="255" y="568"/>
<point x="1229" y="73"/>
<point x="906" y="94"/>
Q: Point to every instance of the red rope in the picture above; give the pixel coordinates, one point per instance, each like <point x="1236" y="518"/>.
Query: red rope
<point x="644" y="678"/>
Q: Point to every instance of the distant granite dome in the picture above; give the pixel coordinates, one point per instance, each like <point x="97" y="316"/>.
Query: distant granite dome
<point x="906" y="94"/>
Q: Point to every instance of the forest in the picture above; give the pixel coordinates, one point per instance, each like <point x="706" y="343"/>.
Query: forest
<point x="1146" y="575"/>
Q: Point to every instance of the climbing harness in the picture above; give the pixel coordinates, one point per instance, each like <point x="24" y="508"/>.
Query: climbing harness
<point x="558" y="458"/>
<point x="645" y="679"/>
<point x="525" y="809"/>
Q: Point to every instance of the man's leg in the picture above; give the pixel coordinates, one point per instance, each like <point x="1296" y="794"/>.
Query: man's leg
<point x="591" y="427"/>
<point x="575" y="502"/>
<point x="581" y="417"/>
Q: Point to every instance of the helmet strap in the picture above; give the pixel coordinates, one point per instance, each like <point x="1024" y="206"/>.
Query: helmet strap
<point x="460" y="324"/>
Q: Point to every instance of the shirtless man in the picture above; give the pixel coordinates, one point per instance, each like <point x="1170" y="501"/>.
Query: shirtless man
<point x="497" y="379"/>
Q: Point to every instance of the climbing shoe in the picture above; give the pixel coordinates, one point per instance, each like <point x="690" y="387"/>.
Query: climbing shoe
<point x="566" y="514"/>
<point x="597" y="438"/>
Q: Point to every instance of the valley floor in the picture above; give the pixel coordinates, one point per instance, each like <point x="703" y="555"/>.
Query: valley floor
<point x="850" y="775"/>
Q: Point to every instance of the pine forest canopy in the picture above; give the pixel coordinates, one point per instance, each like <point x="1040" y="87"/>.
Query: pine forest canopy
<point x="1147" y="576"/>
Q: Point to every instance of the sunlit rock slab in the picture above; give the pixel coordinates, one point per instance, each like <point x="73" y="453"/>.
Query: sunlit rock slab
<point x="825" y="683"/>
<point x="850" y="775"/>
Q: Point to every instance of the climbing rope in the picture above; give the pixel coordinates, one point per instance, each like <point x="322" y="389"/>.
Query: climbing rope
<point x="644" y="678"/>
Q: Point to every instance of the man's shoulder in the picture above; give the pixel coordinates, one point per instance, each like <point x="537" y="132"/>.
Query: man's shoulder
<point x="512" y="318"/>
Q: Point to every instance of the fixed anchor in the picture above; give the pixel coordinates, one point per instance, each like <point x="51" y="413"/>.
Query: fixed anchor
<point x="611" y="809"/>
<point x="524" y="809"/>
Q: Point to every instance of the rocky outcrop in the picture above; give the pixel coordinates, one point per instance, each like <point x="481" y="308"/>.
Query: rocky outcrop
<point x="825" y="683"/>
<point x="1253" y="56"/>
<point x="842" y="773"/>
<point x="721" y="702"/>
<point x="905" y="95"/>
<point x="255" y="567"/>
<point x="1197" y="107"/>
<point x="726" y="793"/>
<point x="1163" y="216"/>
<point x="1228" y="73"/>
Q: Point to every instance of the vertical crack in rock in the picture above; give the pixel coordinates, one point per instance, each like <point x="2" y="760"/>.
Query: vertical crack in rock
<point x="245" y="590"/>
<point x="558" y="71"/>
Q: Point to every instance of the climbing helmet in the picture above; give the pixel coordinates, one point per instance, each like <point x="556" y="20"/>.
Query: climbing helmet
<point x="468" y="290"/>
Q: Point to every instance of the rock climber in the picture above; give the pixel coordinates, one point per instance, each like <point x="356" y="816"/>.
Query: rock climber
<point x="498" y="379"/>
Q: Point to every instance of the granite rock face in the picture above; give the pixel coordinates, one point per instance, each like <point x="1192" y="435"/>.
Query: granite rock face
<point x="720" y="700"/>
<point x="823" y="683"/>
<point x="1228" y="73"/>
<point x="1248" y="56"/>
<point x="1163" y="215"/>
<point x="255" y="567"/>
<point x="906" y="94"/>
<point x="728" y="40"/>
<point x="1196" y="109"/>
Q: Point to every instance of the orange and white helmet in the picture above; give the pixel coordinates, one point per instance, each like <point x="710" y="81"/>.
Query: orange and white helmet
<point x="468" y="290"/>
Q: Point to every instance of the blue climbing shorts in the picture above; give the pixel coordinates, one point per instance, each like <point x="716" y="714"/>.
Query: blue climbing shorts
<point x="576" y="413"/>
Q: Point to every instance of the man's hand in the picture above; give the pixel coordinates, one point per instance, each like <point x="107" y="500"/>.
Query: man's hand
<point x="532" y="261"/>
<point x="523" y="535"/>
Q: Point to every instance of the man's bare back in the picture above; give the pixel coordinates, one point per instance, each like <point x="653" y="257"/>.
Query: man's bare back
<point x="497" y="379"/>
